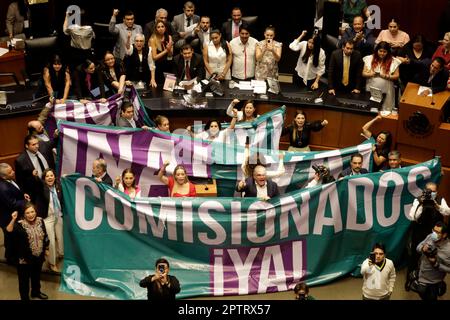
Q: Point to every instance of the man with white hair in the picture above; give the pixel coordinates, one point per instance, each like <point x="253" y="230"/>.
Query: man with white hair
<point x="149" y="28"/>
<point x="12" y="199"/>
<point x="258" y="185"/>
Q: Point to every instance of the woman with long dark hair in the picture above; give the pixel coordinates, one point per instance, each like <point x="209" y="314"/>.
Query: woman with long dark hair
<point x="56" y="78"/>
<point x="381" y="70"/>
<point x="311" y="61"/>
<point x="31" y="246"/>
<point x="300" y="132"/>
<point x="127" y="184"/>
<point x="88" y="82"/>
<point x="113" y="74"/>
<point x="415" y="56"/>
<point x="217" y="57"/>
<point x="382" y="146"/>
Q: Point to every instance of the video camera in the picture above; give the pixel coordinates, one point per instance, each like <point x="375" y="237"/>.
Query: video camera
<point x="321" y="170"/>
<point x="431" y="250"/>
<point x="426" y="199"/>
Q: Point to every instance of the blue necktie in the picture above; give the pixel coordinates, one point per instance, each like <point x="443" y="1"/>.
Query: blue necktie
<point x="56" y="204"/>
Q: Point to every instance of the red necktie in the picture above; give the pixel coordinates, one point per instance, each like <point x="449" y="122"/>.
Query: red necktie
<point x="187" y="72"/>
<point x="236" y="30"/>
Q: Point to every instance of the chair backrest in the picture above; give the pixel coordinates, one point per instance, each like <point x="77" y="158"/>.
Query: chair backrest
<point x="37" y="53"/>
<point x="251" y="20"/>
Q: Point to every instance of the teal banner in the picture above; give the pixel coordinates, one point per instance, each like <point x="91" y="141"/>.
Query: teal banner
<point x="234" y="246"/>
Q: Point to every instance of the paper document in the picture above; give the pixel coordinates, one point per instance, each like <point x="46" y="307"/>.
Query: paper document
<point x="245" y="85"/>
<point x="259" y="86"/>
<point x="422" y="89"/>
<point x="3" y="51"/>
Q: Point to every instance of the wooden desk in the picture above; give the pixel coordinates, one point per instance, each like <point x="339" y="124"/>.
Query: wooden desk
<point x="206" y="190"/>
<point x="419" y="134"/>
<point x="12" y="61"/>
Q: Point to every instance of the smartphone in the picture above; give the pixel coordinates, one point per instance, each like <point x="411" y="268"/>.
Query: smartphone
<point x="372" y="257"/>
<point x="161" y="268"/>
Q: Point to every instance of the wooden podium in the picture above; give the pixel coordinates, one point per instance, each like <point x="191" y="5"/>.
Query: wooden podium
<point x="206" y="189"/>
<point x="419" y="130"/>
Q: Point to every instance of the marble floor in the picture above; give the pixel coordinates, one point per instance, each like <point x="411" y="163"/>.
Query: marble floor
<point x="346" y="288"/>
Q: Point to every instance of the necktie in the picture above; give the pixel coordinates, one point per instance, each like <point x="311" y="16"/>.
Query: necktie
<point x="56" y="204"/>
<point x="187" y="71"/>
<point x="41" y="164"/>
<point x="236" y="30"/>
<point x="188" y="21"/>
<point x="88" y="81"/>
<point x="345" y="71"/>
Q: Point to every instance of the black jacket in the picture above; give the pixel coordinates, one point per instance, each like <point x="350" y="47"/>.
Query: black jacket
<point x="251" y="191"/>
<point x="196" y="67"/>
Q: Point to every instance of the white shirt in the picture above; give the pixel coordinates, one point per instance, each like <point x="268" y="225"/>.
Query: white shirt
<point x="35" y="161"/>
<point x="261" y="191"/>
<point x="244" y="58"/>
<point x="307" y="70"/>
<point x="151" y="63"/>
<point x="416" y="210"/>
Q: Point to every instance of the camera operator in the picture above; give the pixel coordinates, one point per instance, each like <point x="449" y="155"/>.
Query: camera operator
<point x="301" y="291"/>
<point x="321" y="176"/>
<point x="161" y="286"/>
<point x="379" y="275"/>
<point x="427" y="209"/>
<point x="434" y="263"/>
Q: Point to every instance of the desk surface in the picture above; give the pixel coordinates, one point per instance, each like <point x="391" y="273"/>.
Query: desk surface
<point x="158" y="100"/>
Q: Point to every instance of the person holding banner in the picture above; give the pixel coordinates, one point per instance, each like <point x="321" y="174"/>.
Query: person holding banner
<point x="258" y="185"/>
<point x="300" y="132"/>
<point x="161" y="286"/>
<point x="127" y="184"/>
<point x="356" y="168"/>
<point x="248" y="112"/>
<point x="126" y="118"/>
<point x="178" y="184"/>
<point x="213" y="130"/>
<point x="382" y="146"/>
<point x="379" y="275"/>
<point x="162" y="123"/>
<point x="113" y="74"/>
<point x="88" y="82"/>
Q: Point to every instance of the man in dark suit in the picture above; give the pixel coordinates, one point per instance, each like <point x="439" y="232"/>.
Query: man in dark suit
<point x="188" y="65"/>
<point x="361" y="36"/>
<point x="11" y="199"/>
<point x="184" y="24"/>
<point x="434" y="77"/>
<point x="99" y="168"/>
<point x="30" y="164"/>
<point x="354" y="64"/>
<point x="258" y="185"/>
<point x="230" y="29"/>
<point x="356" y="168"/>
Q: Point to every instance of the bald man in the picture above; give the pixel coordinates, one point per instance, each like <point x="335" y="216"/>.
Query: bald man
<point x="258" y="185"/>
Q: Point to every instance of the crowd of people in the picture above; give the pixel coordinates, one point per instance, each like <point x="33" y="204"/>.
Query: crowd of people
<point x="30" y="195"/>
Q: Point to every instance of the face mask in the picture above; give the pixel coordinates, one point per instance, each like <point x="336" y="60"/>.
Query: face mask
<point x="433" y="195"/>
<point x="434" y="236"/>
